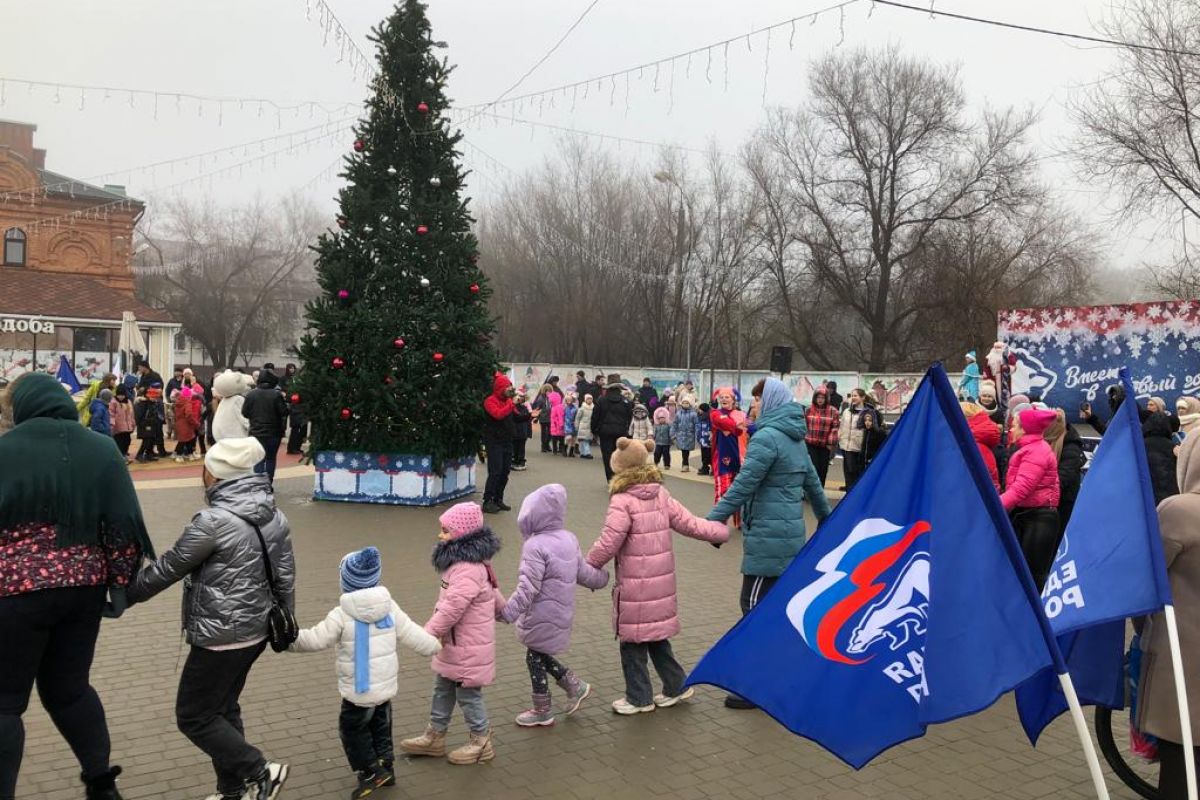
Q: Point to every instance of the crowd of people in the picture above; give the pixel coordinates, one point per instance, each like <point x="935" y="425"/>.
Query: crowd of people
<point x="76" y="550"/>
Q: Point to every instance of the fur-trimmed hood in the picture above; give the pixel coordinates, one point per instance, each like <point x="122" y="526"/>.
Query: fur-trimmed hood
<point x="476" y="548"/>
<point x="627" y="479"/>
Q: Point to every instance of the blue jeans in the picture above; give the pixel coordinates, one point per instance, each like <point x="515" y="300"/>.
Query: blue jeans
<point x="267" y="465"/>
<point x="446" y="694"/>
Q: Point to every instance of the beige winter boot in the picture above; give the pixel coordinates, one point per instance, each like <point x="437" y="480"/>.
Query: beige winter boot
<point x="429" y="743"/>
<point x="477" y="749"/>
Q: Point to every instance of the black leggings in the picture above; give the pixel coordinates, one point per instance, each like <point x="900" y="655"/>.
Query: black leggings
<point x="49" y="639"/>
<point x="820" y="456"/>
<point x="662" y="452"/>
<point x="539" y="664"/>
<point x="1172" y="775"/>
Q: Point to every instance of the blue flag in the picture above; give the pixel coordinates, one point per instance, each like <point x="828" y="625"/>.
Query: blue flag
<point x="911" y="605"/>
<point x="1109" y="567"/>
<point x="66" y="375"/>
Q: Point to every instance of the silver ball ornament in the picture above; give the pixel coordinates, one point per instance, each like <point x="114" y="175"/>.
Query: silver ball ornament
<point x="424" y="283"/>
<point x="391" y="170"/>
<point x="435" y="181"/>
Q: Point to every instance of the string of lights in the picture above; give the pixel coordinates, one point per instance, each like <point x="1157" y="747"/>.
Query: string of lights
<point x="510" y="118"/>
<point x="160" y="100"/>
<point x="32" y="193"/>
<point x="585" y="86"/>
<point x="103" y="211"/>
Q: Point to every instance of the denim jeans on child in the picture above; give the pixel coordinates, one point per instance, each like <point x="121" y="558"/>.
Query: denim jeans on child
<point x="366" y="734"/>
<point x="638" y="690"/>
<point x="445" y="694"/>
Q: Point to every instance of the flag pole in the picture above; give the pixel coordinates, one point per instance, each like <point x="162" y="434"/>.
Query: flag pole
<point x="1185" y="721"/>
<point x="1008" y="538"/>
<point x="1085" y="736"/>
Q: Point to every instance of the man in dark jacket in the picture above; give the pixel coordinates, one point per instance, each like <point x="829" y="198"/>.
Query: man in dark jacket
<point x="648" y="395"/>
<point x="610" y="420"/>
<point x="582" y="387"/>
<point x="226" y="602"/>
<point x="499" y="430"/>
<point x="268" y="412"/>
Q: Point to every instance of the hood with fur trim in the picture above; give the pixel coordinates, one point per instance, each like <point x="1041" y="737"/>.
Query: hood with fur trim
<point x="475" y="548"/>
<point x="626" y="479"/>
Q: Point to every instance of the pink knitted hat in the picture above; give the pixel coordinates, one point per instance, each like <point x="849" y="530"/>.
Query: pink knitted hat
<point x="462" y="519"/>
<point x="1036" y="420"/>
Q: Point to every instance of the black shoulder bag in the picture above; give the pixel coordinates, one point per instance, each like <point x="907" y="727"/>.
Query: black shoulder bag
<point x="282" y="629"/>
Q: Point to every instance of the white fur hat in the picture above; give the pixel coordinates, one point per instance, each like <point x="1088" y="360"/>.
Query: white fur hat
<point x="234" y="458"/>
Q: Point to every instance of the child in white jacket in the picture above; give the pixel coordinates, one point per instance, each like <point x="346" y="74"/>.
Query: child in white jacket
<point x="366" y="626"/>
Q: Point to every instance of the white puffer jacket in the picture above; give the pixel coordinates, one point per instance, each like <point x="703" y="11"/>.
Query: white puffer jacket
<point x="369" y="606"/>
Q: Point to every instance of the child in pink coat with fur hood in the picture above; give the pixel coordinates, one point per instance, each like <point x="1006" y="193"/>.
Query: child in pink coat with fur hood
<point x="464" y="620"/>
<point x="637" y="533"/>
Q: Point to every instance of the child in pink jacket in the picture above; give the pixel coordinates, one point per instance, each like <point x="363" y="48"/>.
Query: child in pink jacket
<point x="637" y="533"/>
<point x="1032" y="493"/>
<point x="465" y="623"/>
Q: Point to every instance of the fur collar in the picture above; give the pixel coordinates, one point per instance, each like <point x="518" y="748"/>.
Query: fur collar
<point x="475" y="548"/>
<point x="629" y="478"/>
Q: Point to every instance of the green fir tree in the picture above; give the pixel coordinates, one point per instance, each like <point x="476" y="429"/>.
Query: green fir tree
<point x="400" y="356"/>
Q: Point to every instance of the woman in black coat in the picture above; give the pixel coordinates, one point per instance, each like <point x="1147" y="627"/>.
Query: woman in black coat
<point x="1160" y="454"/>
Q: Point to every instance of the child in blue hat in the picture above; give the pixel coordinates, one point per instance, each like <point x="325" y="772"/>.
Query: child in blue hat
<point x="366" y="626"/>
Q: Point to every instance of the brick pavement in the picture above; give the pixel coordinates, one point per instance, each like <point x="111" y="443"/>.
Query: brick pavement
<point x="698" y="750"/>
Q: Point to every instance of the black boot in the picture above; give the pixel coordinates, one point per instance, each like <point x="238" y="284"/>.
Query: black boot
<point x="388" y="771"/>
<point x="103" y="787"/>
<point x="489" y="507"/>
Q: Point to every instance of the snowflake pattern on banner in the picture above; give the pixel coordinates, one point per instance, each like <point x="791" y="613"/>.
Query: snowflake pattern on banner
<point x="1071" y="355"/>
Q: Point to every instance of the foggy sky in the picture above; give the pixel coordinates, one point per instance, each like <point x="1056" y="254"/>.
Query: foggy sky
<point x="267" y="48"/>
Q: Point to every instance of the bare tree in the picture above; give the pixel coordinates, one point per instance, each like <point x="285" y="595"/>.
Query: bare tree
<point x="881" y="158"/>
<point x="1140" y="129"/>
<point x="230" y="275"/>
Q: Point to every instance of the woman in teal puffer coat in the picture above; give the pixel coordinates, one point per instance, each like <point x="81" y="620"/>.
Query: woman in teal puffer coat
<point x="776" y="476"/>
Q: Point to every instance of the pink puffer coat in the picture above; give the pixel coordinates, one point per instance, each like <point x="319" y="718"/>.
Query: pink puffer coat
<point x="558" y="415"/>
<point x="465" y="617"/>
<point x="637" y="533"/>
<point x="1032" y="475"/>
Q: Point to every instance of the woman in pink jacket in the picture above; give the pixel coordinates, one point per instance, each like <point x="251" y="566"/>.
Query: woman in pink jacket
<point x="637" y="533"/>
<point x="1032" y="493"/>
<point x="465" y="623"/>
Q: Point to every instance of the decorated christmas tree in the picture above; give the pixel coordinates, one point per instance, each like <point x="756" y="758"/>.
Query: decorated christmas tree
<point x="400" y="354"/>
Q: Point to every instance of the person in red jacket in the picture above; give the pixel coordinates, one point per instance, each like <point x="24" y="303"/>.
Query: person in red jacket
<point x="987" y="437"/>
<point x="187" y="425"/>
<point x="1032" y="492"/>
<point x="728" y="444"/>
<point x="499" y="430"/>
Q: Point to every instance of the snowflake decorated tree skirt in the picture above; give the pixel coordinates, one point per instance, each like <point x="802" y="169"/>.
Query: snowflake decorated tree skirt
<point x="390" y="479"/>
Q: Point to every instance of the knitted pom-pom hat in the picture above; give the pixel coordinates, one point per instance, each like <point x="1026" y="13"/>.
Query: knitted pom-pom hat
<point x="1036" y="420"/>
<point x="361" y="569"/>
<point x="631" y="454"/>
<point x="461" y="519"/>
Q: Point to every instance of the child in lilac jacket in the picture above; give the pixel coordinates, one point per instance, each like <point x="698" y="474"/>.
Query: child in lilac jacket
<point x="464" y="621"/>
<point x="543" y="605"/>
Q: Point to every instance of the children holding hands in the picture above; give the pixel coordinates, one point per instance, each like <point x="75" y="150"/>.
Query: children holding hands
<point x="543" y="604"/>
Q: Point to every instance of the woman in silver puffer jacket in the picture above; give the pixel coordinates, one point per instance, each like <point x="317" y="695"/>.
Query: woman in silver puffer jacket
<point x="226" y="600"/>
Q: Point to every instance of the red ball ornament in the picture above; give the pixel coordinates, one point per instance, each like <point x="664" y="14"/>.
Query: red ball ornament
<point x="295" y="399"/>
<point x="438" y="357"/>
<point x="359" y="145"/>
<point x="347" y="413"/>
<point x="343" y="294"/>
<point x="423" y="108"/>
<point x="398" y="342"/>
<point x="337" y="362"/>
<point x="474" y="288"/>
<point x="422" y="230"/>
<point x="343" y="223"/>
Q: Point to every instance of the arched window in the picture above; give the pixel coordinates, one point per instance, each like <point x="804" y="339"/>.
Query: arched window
<point x="14" y="247"/>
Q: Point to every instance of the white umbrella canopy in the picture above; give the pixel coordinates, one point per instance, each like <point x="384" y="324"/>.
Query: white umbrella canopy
<point x="130" y="340"/>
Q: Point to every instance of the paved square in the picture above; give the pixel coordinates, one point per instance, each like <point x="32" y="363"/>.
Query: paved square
<point x="697" y="750"/>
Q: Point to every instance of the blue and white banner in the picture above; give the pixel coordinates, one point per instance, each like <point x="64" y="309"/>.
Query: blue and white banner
<point x="1071" y="355"/>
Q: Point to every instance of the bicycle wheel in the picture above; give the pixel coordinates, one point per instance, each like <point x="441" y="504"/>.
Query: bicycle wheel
<point x="1112" y="731"/>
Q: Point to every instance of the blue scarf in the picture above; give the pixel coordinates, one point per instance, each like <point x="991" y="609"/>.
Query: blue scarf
<point x="362" y="651"/>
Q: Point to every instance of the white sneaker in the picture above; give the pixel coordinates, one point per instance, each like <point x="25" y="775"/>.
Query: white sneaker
<point x="662" y="701"/>
<point x="267" y="785"/>
<point x="178" y="459"/>
<point x="626" y="708"/>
